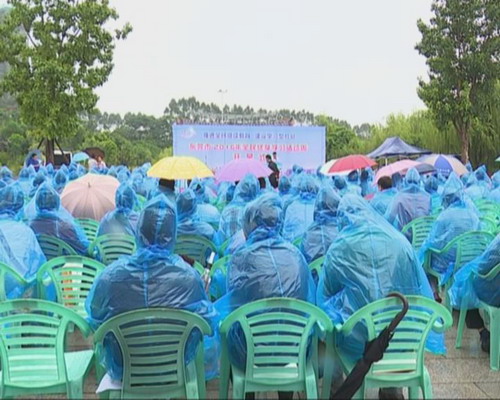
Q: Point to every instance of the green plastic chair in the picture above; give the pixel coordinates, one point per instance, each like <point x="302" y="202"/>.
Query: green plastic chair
<point x="32" y="338"/>
<point x="223" y="247"/>
<point x="468" y="246"/>
<point x="277" y="332"/>
<point x="317" y="265"/>
<point x="489" y="225"/>
<point x="403" y="361"/>
<point x="6" y="270"/>
<point x="152" y="343"/>
<point x="109" y="248"/>
<point x="488" y="208"/>
<point x="196" y="247"/>
<point x="494" y="315"/>
<point x="419" y="229"/>
<point x="72" y="277"/>
<point x="141" y="202"/>
<point x="297" y="242"/>
<point x="90" y="227"/>
<point x="53" y="247"/>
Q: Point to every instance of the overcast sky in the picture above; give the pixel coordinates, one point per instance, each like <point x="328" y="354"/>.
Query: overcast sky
<point x="352" y="59"/>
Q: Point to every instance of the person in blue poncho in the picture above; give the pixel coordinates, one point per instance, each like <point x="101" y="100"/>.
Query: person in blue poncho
<point x="24" y="181"/>
<point x="60" y="180"/>
<point x="18" y="245"/>
<point x="457" y="217"/>
<point x="123" y="219"/>
<point x="495" y="191"/>
<point x="431" y="186"/>
<point x="474" y="190"/>
<point x="482" y="177"/>
<point x="300" y="213"/>
<point x="368" y="260"/>
<point x="225" y="195"/>
<point x="188" y="221"/>
<point x="6" y="175"/>
<point x="206" y="211"/>
<point x="52" y="221"/>
<point x="340" y="184"/>
<point x="383" y="198"/>
<point x="230" y="219"/>
<point x="152" y="277"/>
<point x="267" y="266"/>
<point x="323" y="231"/>
<point x="409" y="203"/>
<point x="37" y="182"/>
<point x="366" y="183"/>
<point x="469" y="289"/>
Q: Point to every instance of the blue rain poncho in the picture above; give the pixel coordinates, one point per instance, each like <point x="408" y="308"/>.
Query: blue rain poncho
<point x="188" y="221"/>
<point x="368" y="260"/>
<point x="6" y="175"/>
<point x="153" y="277"/>
<point x="24" y="181"/>
<point x="18" y="245"/>
<point x="474" y="190"/>
<point x="267" y="266"/>
<point x="230" y="219"/>
<point x="300" y="213"/>
<point x="340" y="184"/>
<point x="60" y="180"/>
<point x="495" y="192"/>
<point x="382" y="200"/>
<point x="457" y="217"/>
<point x="409" y="203"/>
<point x="431" y="186"/>
<point x="482" y="177"/>
<point x="473" y="289"/>
<point x="123" y="219"/>
<point x="366" y="183"/>
<point x="51" y="221"/>
<point x="206" y="212"/>
<point x="39" y="178"/>
<point x="323" y="231"/>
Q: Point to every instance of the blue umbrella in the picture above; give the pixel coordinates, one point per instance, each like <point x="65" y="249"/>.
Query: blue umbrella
<point x="81" y="156"/>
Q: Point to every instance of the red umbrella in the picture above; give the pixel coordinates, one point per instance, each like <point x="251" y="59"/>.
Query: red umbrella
<point x="348" y="163"/>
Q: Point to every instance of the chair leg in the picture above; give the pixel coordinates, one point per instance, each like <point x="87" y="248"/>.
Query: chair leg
<point x="311" y="386"/>
<point x="494" y="339"/>
<point x="238" y="387"/>
<point x="427" y="385"/>
<point x="460" y="328"/>
<point x="413" y="392"/>
<point x="75" y="389"/>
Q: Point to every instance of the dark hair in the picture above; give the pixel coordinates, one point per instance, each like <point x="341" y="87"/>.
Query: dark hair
<point x="364" y="175"/>
<point x="167" y="183"/>
<point x="385" y="182"/>
<point x="268" y="157"/>
<point x="274" y="153"/>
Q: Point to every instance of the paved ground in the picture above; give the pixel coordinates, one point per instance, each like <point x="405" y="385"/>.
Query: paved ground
<point x="460" y="374"/>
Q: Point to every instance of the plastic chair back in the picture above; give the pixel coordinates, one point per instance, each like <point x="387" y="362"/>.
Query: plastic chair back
<point x="196" y="247"/>
<point x="72" y="277"/>
<point x="152" y="343"/>
<point x="419" y="229"/>
<point x="489" y="225"/>
<point x="317" y="265"/>
<point x="90" y="228"/>
<point x="32" y="342"/>
<point x="469" y="245"/>
<point x="53" y="247"/>
<point x="488" y="208"/>
<point x="7" y="271"/>
<point x="405" y="354"/>
<point x="108" y="248"/>
<point x="277" y="331"/>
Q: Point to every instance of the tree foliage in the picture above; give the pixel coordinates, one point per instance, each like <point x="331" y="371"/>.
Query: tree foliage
<point x="58" y="52"/>
<point x="462" y="47"/>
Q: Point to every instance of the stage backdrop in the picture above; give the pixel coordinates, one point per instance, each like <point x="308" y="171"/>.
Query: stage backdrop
<point x="216" y="145"/>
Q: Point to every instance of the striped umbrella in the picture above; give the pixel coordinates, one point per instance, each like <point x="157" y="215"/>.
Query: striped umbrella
<point x="444" y="164"/>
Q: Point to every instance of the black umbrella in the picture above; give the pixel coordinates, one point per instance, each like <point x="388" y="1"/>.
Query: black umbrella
<point x="374" y="351"/>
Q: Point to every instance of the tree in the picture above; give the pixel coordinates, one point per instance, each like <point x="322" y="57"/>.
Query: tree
<point x="461" y="44"/>
<point x="340" y="137"/>
<point x="58" y="52"/>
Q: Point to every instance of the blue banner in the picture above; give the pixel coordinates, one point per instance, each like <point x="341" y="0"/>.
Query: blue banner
<point x="217" y="145"/>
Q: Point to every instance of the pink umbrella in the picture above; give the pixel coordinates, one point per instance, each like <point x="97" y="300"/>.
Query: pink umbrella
<point x="90" y="196"/>
<point x="236" y="170"/>
<point x="397" y="166"/>
<point x="348" y="163"/>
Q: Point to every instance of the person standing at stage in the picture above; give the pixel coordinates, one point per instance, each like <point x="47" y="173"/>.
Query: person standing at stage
<point x="274" y="177"/>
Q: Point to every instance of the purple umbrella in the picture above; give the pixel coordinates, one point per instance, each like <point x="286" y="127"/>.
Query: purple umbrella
<point x="235" y="170"/>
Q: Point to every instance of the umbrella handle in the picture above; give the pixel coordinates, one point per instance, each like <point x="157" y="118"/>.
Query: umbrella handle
<point x="395" y="322"/>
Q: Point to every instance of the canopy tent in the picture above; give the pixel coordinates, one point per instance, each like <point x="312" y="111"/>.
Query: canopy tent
<point x="395" y="146"/>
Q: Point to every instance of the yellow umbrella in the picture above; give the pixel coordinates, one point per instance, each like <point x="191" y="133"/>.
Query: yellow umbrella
<point x="179" y="167"/>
